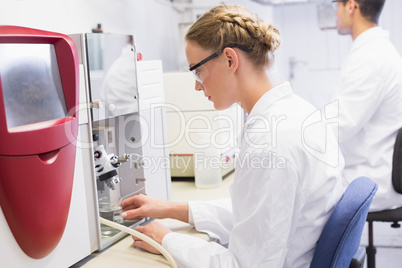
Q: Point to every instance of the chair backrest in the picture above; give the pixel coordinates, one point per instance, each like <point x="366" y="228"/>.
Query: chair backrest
<point x="397" y="163"/>
<point x="341" y="236"/>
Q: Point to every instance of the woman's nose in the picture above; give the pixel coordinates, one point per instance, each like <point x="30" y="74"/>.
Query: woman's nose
<point x="198" y="86"/>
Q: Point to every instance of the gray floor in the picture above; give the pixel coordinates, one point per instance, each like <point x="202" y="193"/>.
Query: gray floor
<point x="388" y="258"/>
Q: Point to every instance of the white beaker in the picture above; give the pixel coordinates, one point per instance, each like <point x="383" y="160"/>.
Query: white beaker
<point x="207" y="162"/>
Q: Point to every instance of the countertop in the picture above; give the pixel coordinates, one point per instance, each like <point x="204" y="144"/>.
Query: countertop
<point x="122" y="254"/>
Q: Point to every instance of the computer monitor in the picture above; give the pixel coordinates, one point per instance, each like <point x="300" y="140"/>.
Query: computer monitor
<point x="38" y="91"/>
<point x="31" y="83"/>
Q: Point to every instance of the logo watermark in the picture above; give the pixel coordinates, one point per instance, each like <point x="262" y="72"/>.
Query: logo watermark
<point x="224" y="129"/>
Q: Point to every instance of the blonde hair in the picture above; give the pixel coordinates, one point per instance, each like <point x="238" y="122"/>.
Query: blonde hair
<point x="226" y="25"/>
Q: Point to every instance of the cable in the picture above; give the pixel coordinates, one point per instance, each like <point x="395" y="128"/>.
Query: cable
<point x="142" y="237"/>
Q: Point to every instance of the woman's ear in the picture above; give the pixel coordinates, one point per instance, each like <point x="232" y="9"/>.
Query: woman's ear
<point x="231" y="58"/>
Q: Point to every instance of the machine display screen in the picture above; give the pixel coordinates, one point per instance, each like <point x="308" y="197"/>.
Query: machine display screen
<point x="31" y="84"/>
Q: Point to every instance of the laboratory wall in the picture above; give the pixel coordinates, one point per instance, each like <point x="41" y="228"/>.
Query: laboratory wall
<point x="153" y="22"/>
<point x="158" y="25"/>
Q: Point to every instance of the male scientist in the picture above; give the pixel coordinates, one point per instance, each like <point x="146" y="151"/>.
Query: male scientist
<point x="370" y="99"/>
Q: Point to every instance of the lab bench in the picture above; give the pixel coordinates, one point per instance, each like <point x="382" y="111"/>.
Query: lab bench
<point x="122" y="254"/>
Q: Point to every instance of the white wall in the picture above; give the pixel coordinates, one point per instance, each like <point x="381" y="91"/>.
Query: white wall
<point x="153" y="22"/>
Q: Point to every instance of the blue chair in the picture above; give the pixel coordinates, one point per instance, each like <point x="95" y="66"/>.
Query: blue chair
<point x="338" y="246"/>
<point x="391" y="215"/>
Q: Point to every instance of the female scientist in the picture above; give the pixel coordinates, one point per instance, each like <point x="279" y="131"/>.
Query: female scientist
<point x="276" y="212"/>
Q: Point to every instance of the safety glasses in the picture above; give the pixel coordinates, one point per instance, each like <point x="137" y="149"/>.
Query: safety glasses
<point x="200" y="72"/>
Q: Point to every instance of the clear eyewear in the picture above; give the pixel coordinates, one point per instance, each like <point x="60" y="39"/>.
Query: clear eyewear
<point x="200" y="72"/>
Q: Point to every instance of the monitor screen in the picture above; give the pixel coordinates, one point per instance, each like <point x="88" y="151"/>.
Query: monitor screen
<point x="31" y="84"/>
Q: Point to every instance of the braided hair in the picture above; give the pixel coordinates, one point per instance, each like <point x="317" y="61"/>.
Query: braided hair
<point x="230" y="24"/>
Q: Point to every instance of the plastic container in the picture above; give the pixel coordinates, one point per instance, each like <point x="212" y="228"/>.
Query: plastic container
<point x="207" y="162"/>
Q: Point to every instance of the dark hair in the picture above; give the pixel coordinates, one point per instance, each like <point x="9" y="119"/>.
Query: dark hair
<point x="371" y="9"/>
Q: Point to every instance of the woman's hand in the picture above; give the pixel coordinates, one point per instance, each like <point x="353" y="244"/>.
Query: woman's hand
<point x="154" y="230"/>
<point x="141" y="206"/>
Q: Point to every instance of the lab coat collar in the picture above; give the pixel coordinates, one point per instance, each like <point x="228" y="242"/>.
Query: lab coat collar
<point x="369" y="35"/>
<point x="278" y="92"/>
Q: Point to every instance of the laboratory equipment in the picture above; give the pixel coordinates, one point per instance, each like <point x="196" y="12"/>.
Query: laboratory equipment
<point x="110" y="77"/>
<point x="63" y="163"/>
<point x="154" y="127"/>
<point x="39" y="193"/>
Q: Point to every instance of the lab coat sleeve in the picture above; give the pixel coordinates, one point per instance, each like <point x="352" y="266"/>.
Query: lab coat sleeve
<point x="190" y="251"/>
<point x="214" y="218"/>
<point x="359" y="96"/>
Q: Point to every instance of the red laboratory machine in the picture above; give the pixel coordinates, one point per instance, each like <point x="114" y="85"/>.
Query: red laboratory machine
<point x="38" y="127"/>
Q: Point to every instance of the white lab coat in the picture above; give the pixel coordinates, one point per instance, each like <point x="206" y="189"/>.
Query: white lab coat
<point x="370" y="113"/>
<point x="282" y="195"/>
